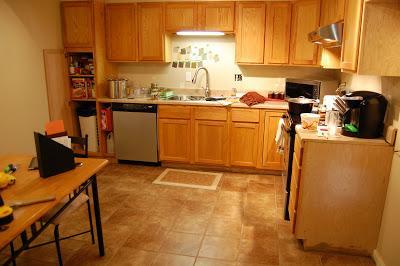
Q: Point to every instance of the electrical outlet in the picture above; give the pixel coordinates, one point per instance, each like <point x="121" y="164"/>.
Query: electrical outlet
<point x="238" y="77"/>
<point x="188" y="76"/>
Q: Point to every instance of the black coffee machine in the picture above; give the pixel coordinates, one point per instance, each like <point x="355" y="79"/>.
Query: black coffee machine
<point x="365" y="114"/>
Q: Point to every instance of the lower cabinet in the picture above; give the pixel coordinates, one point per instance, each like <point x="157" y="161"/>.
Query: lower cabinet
<point x="210" y="142"/>
<point x="244" y="144"/>
<point x="271" y="159"/>
<point x="174" y="139"/>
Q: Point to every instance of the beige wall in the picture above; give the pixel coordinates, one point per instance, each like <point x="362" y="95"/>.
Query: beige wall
<point x="255" y="78"/>
<point x="389" y="238"/>
<point x="27" y="27"/>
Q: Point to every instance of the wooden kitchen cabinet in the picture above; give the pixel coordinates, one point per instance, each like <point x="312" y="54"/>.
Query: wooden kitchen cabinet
<point x="244" y="130"/>
<point x="152" y="39"/>
<point x="250" y="30"/>
<point x="211" y="142"/>
<point x="351" y="35"/>
<point x="331" y="11"/>
<point x="216" y="16"/>
<point x="305" y="18"/>
<point x="121" y="32"/>
<point x="180" y="16"/>
<point x="270" y="158"/>
<point x="277" y="32"/>
<point x="343" y="193"/>
<point x="244" y="144"/>
<point x="77" y="24"/>
<point x="210" y="135"/>
<point x="174" y="139"/>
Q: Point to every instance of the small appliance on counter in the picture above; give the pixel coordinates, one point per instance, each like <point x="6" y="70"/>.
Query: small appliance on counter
<point x="364" y="115"/>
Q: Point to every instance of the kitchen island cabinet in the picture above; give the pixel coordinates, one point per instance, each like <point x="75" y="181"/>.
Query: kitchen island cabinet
<point x="338" y="184"/>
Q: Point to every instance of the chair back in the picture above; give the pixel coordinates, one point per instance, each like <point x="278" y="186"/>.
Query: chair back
<point x="82" y="144"/>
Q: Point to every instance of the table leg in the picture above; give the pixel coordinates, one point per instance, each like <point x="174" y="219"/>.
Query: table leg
<point x="96" y="204"/>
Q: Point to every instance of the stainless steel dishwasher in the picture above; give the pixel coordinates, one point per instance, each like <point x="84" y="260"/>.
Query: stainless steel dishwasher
<point x="135" y="132"/>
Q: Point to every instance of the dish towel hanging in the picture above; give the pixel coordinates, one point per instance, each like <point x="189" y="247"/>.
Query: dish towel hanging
<point x="279" y="139"/>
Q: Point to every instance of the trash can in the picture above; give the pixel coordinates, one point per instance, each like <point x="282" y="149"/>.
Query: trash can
<point x="88" y="125"/>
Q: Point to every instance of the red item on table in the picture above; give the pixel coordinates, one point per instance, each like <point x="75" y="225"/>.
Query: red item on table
<point x="252" y="98"/>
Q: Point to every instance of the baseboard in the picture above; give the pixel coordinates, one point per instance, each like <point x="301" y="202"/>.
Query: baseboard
<point x="378" y="258"/>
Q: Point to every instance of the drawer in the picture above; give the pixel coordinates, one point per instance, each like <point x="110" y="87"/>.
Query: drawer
<point x="298" y="150"/>
<point x="245" y="115"/>
<point x="174" y="111"/>
<point x="211" y="113"/>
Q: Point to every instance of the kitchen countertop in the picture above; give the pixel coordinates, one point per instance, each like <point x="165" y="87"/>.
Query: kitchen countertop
<point x="308" y="135"/>
<point x="266" y="105"/>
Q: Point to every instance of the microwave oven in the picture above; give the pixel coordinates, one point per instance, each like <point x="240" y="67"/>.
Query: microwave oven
<point x="302" y="88"/>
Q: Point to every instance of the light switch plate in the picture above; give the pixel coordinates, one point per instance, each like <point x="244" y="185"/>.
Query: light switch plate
<point x="188" y="76"/>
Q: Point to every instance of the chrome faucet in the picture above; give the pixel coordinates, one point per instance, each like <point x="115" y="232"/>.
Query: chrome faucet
<point x="207" y="89"/>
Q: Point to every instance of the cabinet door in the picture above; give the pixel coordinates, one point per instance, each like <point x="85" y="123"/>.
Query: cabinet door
<point x="277" y="33"/>
<point x="210" y="139"/>
<point x="250" y="29"/>
<point x="121" y="32"/>
<point x="244" y="143"/>
<point x="174" y="139"/>
<point x="271" y="159"/>
<point x="77" y="24"/>
<point x="351" y="35"/>
<point x="180" y="16"/>
<point x="305" y="19"/>
<point x="151" y="31"/>
<point x="331" y="11"/>
<point x="216" y="16"/>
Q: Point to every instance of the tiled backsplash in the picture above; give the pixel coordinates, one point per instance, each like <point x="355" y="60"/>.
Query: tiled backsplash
<point x="222" y="69"/>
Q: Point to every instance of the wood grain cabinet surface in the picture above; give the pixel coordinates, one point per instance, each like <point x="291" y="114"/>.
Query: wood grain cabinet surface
<point x="270" y="159"/>
<point x="77" y="24"/>
<point x="210" y="142"/>
<point x="174" y="139"/>
<point x="151" y="32"/>
<point x="250" y="30"/>
<point x="180" y="16"/>
<point x="121" y="32"/>
<point x="244" y="144"/>
<point x="216" y="16"/>
<point x="305" y="18"/>
<point x="332" y="11"/>
<point x="277" y="32"/>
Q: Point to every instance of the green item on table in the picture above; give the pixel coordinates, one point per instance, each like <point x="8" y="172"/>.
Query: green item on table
<point x="351" y="128"/>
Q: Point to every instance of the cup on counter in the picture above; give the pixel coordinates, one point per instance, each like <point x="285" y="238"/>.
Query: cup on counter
<point x="332" y="119"/>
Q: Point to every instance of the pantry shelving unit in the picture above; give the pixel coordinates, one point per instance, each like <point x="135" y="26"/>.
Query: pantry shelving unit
<point x="86" y="66"/>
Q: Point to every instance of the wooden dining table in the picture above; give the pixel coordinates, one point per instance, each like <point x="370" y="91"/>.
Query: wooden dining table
<point x="30" y="186"/>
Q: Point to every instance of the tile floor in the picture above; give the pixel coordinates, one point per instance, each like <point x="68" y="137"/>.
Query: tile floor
<point x="146" y="224"/>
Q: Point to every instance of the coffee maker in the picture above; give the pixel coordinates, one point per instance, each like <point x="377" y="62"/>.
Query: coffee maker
<point x="365" y="114"/>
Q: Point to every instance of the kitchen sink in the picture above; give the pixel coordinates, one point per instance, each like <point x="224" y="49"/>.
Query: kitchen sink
<point x="187" y="98"/>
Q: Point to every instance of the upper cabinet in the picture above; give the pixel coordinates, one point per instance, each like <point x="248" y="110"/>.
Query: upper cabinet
<point x="180" y="16"/>
<point x="77" y="24"/>
<point x="121" y="32"/>
<point x="305" y="18"/>
<point x="331" y="11"/>
<point x="250" y="29"/>
<point x="216" y="16"/>
<point x="151" y="32"/>
<point x="277" y="32"/>
<point x="351" y="34"/>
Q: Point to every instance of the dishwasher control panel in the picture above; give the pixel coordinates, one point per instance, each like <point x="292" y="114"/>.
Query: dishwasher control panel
<point x="134" y="107"/>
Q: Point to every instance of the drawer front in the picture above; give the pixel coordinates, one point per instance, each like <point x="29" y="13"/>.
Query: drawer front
<point x="245" y="115"/>
<point x="174" y="111"/>
<point x="298" y="150"/>
<point x="211" y="113"/>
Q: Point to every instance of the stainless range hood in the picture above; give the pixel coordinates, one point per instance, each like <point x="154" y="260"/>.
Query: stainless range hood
<point x="328" y="36"/>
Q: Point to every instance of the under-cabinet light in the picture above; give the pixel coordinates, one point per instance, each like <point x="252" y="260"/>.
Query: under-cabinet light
<point x="200" y="33"/>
